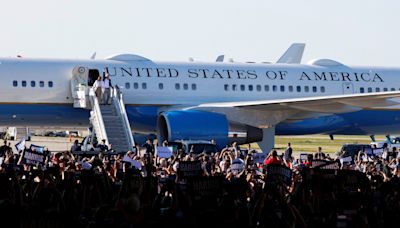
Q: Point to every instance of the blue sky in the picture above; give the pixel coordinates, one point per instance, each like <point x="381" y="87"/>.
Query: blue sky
<point x="356" y="32"/>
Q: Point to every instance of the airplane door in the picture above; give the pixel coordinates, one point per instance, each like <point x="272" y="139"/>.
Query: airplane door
<point x="92" y="76"/>
<point x="348" y="88"/>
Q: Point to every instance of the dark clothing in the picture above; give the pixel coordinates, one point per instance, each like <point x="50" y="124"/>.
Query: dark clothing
<point x="103" y="147"/>
<point x="4" y="149"/>
<point x="149" y="148"/>
<point x="288" y="153"/>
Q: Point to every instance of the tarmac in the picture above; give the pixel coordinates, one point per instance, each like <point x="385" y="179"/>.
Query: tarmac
<point x="54" y="144"/>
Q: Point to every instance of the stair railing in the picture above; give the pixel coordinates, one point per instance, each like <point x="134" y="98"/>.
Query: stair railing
<point x="100" y="128"/>
<point x="120" y="105"/>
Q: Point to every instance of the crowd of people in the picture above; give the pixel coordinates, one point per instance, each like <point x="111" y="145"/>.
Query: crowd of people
<point x="233" y="187"/>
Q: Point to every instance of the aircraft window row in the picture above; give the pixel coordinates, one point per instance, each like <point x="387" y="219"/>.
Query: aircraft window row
<point x="33" y="84"/>
<point x="135" y="85"/>
<point x="178" y="86"/>
<point x="377" y="89"/>
<point x="274" y="88"/>
<point x="185" y="86"/>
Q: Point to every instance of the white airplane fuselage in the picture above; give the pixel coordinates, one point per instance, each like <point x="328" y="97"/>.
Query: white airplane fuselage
<point x="151" y="86"/>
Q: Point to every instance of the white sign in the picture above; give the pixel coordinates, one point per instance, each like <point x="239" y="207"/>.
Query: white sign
<point x="378" y="151"/>
<point x="39" y="149"/>
<point x="164" y="152"/>
<point x="20" y="145"/>
<point x="347" y="159"/>
<point x="237" y="166"/>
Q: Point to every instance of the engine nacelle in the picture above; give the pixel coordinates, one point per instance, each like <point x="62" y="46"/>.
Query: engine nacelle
<point x="201" y="125"/>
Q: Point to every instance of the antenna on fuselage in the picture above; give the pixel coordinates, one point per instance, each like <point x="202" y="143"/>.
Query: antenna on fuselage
<point x="220" y="58"/>
<point x="93" y="56"/>
<point x="191" y="59"/>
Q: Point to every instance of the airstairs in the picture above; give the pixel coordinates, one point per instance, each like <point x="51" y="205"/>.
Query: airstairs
<point x="109" y="122"/>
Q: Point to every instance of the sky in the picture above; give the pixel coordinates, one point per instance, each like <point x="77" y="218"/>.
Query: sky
<point x="354" y="32"/>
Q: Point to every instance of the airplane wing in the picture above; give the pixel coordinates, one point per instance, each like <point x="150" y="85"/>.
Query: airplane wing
<point x="321" y="104"/>
<point x="270" y="112"/>
<point x="293" y="54"/>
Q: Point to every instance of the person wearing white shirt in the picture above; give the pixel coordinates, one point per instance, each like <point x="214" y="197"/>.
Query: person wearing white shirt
<point x="106" y="89"/>
<point x="97" y="87"/>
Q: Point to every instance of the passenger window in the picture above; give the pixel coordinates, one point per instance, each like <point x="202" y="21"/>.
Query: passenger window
<point x="15" y="83"/>
<point x="322" y="89"/>
<point x="298" y="88"/>
<point x="369" y="90"/>
<point x="392" y="89"/>
<point x="242" y="87"/>
<point x="127" y="85"/>
<point x="377" y="89"/>
<point x="274" y="88"/>
<point x="266" y="88"/>
<point x="314" y="89"/>
<point x="41" y="83"/>
<point x="282" y="88"/>
<point x="362" y="90"/>
<point x="385" y="89"/>
<point x="33" y="83"/>
<point x="185" y="86"/>
<point x="194" y="86"/>
<point x="23" y="83"/>
<point x="306" y="89"/>
<point x="50" y="84"/>
<point x="144" y="86"/>
<point x="290" y="88"/>
<point x="177" y="86"/>
<point x="226" y="87"/>
<point x="258" y="87"/>
<point x="160" y="86"/>
<point x="136" y="85"/>
<point x="250" y="87"/>
<point x="234" y="87"/>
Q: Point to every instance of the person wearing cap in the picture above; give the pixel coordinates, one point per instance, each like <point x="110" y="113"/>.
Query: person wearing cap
<point x="106" y="88"/>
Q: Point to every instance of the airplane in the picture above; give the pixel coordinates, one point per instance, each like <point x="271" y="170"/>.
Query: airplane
<point x="225" y="101"/>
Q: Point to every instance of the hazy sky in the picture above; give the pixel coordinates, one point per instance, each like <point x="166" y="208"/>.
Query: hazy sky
<point x="354" y="32"/>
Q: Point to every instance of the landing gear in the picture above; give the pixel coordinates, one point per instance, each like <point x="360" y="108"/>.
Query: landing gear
<point x="372" y="138"/>
<point x="268" y="141"/>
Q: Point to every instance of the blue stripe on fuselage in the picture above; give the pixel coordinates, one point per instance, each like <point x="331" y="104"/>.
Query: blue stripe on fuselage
<point x="144" y="119"/>
<point x="53" y="115"/>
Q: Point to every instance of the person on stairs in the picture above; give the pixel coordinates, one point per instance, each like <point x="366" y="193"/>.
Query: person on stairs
<point x="97" y="87"/>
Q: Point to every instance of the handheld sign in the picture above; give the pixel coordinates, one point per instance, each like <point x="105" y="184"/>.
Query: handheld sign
<point x="39" y="149"/>
<point x="303" y="157"/>
<point x="346" y="160"/>
<point x="368" y="151"/>
<point x="20" y="146"/>
<point x="164" y="152"/>
<point x="237" y="166"/>
<point x="318" y="162"/>
<point x="279" y="173"/>
<point x="259" y="157"/>
<point x="323" y="164"/>
<point x="377" y="151"/>
<point x="206" y="186"/>
<point x="33" y="158"/>
<point x="335" y="165"/>
<point x="189" y="169"/>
